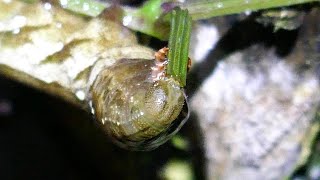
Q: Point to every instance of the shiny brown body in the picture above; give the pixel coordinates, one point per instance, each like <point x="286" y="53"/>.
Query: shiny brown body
<point x="54" y="50"/>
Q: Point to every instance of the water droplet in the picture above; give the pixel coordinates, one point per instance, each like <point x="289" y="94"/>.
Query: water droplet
<point x="247" y="12"/>
<point x="104" y="120"/>
<point x="47" y="6"/>
<point x="219" y="5"/>
<point x="80" y="95"/>
<point x="127" y="20"/>
<point x="64" y="3"/>
<point x="85" y="6"/>
<point x="59" y="25"/>
<point x="16" y="31"/>
<point x="19" y="21"/>
<point x="91" y="107"/>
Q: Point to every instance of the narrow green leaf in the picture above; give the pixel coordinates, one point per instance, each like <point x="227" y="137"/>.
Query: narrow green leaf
<point x="179" y="40"/>
<point x="204" y="9"/>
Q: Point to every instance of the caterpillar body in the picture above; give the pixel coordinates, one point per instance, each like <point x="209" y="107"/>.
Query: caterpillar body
<point x="96" y="64"/>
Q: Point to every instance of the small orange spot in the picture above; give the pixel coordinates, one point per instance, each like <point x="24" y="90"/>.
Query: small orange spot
<point x="161" y="55"/>
<point x="159" y="71"/>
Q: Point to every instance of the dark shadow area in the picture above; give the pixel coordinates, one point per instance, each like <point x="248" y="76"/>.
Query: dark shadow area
<point x="193" y="132"/>
<point x="151" y="42"/>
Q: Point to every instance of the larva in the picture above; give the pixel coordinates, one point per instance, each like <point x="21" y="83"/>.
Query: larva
<point x="95" y="64"/>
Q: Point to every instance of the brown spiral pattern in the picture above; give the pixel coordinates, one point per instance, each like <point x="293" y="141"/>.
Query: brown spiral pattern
<point x="136" y="111"/>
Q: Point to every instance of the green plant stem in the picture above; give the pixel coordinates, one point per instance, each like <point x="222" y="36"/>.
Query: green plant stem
<point x="180" y="32"/>
<point x="207" y="9"/>
<point x="147" y="19"/>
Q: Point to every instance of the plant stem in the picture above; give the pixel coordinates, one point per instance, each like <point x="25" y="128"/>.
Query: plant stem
<point x="207" y="9"/>
<point x="179" y="38"/>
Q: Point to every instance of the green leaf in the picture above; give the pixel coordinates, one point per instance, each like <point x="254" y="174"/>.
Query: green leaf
<point x="180" y="32"/>
<point x="204" y="9"/>
<point x="147" y="19"/>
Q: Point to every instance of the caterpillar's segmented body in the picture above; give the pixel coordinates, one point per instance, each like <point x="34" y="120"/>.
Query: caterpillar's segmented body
<point x="91" y="60"/>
